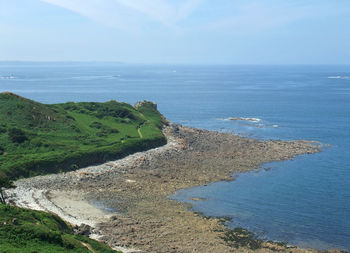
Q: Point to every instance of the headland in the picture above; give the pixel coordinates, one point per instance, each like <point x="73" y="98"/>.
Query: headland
<point x="126" y="200"/>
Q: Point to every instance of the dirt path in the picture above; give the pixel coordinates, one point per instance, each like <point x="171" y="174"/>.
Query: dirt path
<point x="88" y="246"/>
<point x="139" y="131"/>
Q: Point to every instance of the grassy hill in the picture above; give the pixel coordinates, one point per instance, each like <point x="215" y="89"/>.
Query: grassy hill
<point x="28" y="231"/>
<point x="38" y="138"/>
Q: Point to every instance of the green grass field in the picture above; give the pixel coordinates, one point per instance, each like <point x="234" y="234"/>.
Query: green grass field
<point x="38" y="139"/>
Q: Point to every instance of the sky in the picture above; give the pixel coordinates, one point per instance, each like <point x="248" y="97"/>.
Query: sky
<point x="176" y="31"/>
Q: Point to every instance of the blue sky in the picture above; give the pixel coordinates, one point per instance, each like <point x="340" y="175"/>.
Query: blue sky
<point x="177" y="31"/>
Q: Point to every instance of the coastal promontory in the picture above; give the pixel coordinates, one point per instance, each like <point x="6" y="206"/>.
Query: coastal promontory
<point x="113" y="166"/>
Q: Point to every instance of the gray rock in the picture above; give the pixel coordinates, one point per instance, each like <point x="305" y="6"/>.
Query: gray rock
<point x="83" y="229"/>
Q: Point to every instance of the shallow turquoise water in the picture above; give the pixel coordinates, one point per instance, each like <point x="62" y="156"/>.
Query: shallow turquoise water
<point x="305" y="201"/>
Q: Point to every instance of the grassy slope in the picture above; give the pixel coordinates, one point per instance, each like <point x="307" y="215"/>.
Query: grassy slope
<point x="68" y="136"/>
<point x="40" y="139"/>
<point x="23" y="230"/>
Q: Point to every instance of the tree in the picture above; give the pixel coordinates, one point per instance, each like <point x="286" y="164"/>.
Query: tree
<point x="5" y="183"/>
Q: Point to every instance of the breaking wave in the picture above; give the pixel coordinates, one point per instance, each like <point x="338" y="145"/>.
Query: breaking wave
<point x="251" y="122"/>
<point x="244" y="119"/>
<point x="87" y="78"/>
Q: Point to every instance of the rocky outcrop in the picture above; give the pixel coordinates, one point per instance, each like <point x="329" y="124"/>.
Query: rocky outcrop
<point x="83" y="229"/>
<point x="145" y="102"/>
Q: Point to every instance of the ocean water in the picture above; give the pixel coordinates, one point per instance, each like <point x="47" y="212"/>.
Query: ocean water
<point x="305" y="201"/>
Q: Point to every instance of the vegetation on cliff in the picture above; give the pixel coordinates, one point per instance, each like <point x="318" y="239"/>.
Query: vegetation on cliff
<point x="38" y="138"/>
<point x="23" y="230"/>
<point x="5" y="183"/>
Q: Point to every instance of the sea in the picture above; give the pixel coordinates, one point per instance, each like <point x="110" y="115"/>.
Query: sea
<point x="304" y="202"/>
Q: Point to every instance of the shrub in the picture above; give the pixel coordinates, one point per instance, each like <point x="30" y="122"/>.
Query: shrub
<point x="101" y="134"/>
<point x="5" y="182"/>
<point x="3" y="128"/>
<point x="114" y="131"/>
<point x="17" y="135"/>
<point x="75" y="128"/>
<point x="73" y="167"/>
<point x="70" y="117"/>
<point x="36" y="143"/>
<point x="70" y="106"/>
<point x="19" y="105"/>
<point x="96" y="124"/>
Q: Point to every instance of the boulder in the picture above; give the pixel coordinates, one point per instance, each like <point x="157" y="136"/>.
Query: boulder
<point x="83" y="229"/>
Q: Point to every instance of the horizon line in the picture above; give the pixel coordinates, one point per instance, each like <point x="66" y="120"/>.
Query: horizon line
<point x="167" y="63"/>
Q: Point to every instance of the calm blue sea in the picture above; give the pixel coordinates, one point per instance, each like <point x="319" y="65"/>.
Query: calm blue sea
<point x="305" y="201"/>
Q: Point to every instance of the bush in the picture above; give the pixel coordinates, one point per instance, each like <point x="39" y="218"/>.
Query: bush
<point x="96" y="124"/>
<point x="17" y="135"/>
<point x="2" y="128"/>
<point x="36" y="143"/>
<point x="36" y="231"/>
<point x="114" y="131"/>
<point x="5" y="182"/>
<point x="19" y="105"/>
<point x="70" y="117"/>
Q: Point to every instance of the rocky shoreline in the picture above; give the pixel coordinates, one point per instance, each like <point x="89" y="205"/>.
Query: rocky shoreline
<point x="126" y="201"/>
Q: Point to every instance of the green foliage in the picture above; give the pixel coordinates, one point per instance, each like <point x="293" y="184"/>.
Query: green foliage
<point x="149" y="110"/>
<point x="101" y="110"/>
<point x="5" y="182"/>
<point x="17" y="135"/>
<point x="104" y="129"/>
<point x="3" y="128"/>
<point x="24" y="230"/>
<point x="96" y="124"/>
<point x="40" y="139"/>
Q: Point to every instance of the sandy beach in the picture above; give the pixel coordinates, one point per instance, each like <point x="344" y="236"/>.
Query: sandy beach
<point x="126" y="201"/>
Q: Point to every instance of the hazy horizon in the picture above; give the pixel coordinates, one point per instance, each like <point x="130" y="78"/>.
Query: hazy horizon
<point x="266" y="32"/>
<point x="171" y="64"/>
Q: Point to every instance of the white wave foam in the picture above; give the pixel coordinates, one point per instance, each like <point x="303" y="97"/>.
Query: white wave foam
<point x="251" y="122"/>
<point x="339" y="77"/>
<point x="86" y="78"/>
<point x="7" y="77"/>
<point x="255" y="120"/>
